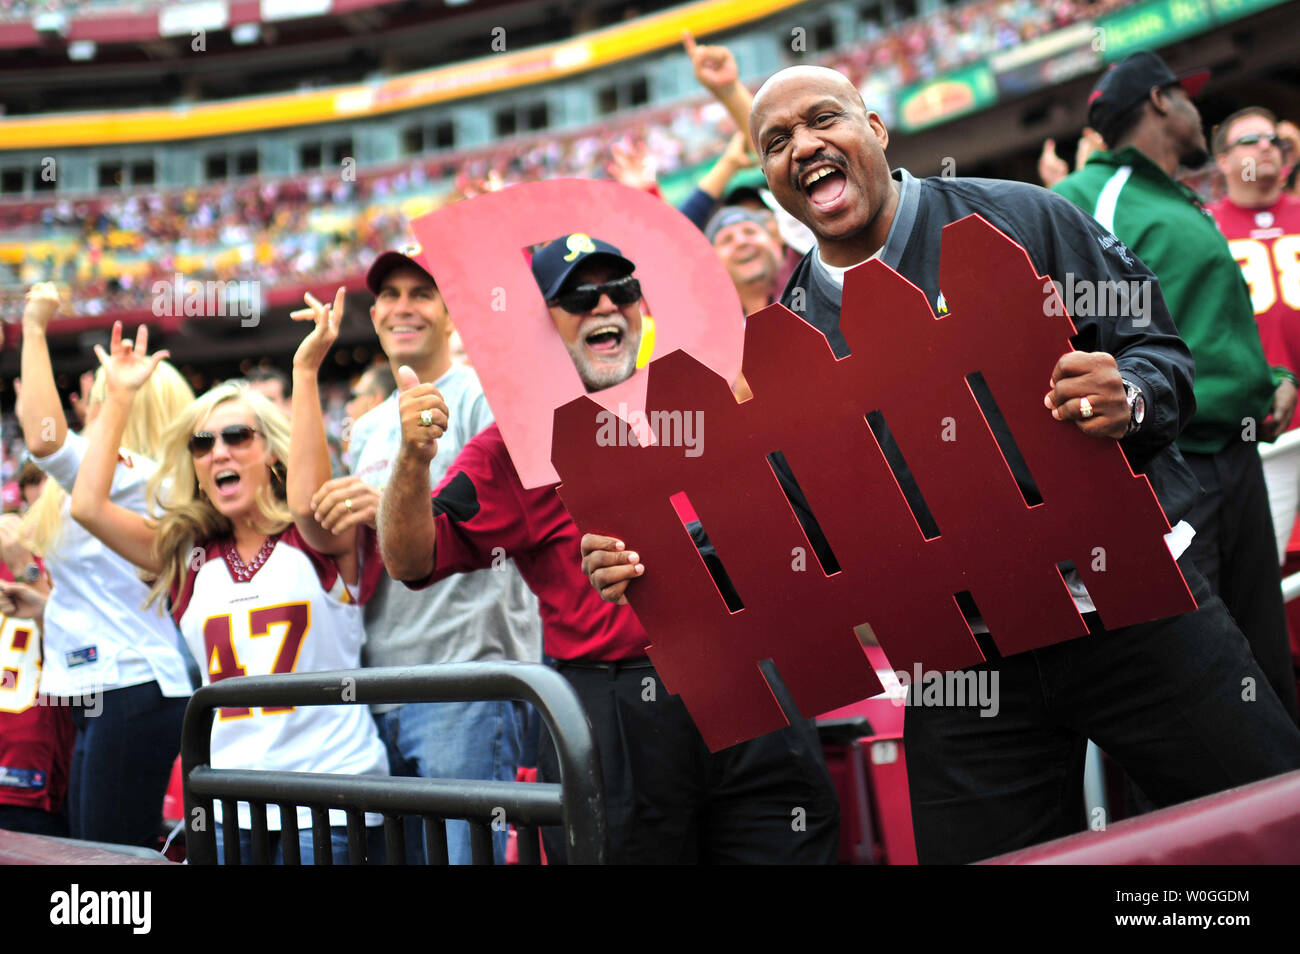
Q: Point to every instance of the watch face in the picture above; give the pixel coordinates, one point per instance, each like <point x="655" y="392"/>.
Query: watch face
<point x="32" y="573"/>
<point x="1137" y="405"/>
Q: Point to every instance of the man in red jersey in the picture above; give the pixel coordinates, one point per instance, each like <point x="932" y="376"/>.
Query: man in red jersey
<point x="1262" y="225"/>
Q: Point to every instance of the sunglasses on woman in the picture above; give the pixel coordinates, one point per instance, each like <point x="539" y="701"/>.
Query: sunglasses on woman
<point x="234" y="435"/>
<point x="583" y="298"/>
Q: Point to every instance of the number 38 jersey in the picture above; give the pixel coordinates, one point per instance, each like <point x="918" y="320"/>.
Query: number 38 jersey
<point x="287" y="611"/>
<point x="1266" y="244"/>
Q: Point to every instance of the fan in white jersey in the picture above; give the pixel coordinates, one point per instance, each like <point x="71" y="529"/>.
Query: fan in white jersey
<point x="118" y="667"/>
<point x="256" y="586"/>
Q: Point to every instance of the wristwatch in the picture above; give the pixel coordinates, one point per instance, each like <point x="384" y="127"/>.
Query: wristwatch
<point x="1137" y="407"/>
<point x="31" y="573"/>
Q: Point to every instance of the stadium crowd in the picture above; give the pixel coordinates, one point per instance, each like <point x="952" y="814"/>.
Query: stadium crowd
<point x="143" y="474"/>
<point x="108" y="250"/>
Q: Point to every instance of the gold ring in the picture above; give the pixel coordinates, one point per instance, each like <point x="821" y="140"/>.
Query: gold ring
<point x="348" y="504"/>
<point x="426" y="418"/>
<point x="1085" y="408"/>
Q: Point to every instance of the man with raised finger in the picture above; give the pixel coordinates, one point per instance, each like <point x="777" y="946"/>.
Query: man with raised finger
<point x="486" y="615"/>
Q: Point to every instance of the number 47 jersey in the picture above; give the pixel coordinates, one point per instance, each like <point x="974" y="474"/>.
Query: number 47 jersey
<point x="1266" y="244"/>
<point x="287" y="611"/>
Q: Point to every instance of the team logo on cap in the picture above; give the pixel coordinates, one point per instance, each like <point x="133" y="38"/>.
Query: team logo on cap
<point x="577" y="244"/>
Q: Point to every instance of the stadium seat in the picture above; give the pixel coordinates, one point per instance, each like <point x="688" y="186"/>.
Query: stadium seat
<point x="870" y="775"/>
<point x="1251" y="825"/>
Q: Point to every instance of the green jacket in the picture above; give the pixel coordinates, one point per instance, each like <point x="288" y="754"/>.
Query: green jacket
<point x="1164" y="223"/>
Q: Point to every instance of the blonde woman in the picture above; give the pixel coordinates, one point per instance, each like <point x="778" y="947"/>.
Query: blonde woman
<point x="255" y="584"/>
<point x="119" y="666"/>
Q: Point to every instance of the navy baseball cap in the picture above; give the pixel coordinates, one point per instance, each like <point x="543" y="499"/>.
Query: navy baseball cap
<point x="554" y="262"/>
<point x="408" y="255"/>
<point x="1129" y="81"/>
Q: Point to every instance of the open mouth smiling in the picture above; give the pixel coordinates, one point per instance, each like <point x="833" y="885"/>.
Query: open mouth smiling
<point x="605" y="340"/>
<point x="824" y="185"/>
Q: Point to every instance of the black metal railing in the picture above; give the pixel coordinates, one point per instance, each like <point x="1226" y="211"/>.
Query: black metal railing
<point x="577" y="803"/>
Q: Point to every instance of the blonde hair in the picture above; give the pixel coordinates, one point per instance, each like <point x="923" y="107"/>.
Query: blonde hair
<point x="158" y="402"/>
<point x="188" y="518"/>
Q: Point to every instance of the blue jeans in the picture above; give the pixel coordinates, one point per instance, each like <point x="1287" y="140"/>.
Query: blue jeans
<point x="121" y="763"/>
<point x="306" y="846"/>
<point x="455" y="740"/>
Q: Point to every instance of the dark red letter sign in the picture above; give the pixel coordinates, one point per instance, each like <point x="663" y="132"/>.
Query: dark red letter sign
<point x="913" y="371"/>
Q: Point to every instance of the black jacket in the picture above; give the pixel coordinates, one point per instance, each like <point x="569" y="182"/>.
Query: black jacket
<point x="1060" y="240"/>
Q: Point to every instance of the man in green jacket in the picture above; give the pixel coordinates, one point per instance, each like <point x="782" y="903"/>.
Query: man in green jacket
<point x="1147" y="117"/>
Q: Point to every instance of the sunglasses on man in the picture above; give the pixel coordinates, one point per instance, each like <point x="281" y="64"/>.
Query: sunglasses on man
<point x="1254" y="139"/>
<point x="233" y="435"/>
<point x="583" y="298"/>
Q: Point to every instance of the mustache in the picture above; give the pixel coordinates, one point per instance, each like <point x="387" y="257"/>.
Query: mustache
<point x="803" y="165"/>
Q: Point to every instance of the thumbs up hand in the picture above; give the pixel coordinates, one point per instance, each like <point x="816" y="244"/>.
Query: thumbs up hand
<point x="1051" y="167"/>
<point x="423" y="414"/>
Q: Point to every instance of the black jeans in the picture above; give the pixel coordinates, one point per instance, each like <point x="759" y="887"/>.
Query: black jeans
<point x="668" y="800"/>
<point x="127" y="740"/>
<point x="1180" y="703"/>
<point x="1235" y="547"/>
<point x="33" y="821"/>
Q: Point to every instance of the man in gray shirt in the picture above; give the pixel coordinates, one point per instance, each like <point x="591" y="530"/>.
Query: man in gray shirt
<point x="488" y="614"/>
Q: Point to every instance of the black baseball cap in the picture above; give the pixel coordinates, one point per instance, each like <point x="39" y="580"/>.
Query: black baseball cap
<point x="554" y="262"/>
<point x="1129" y="81"/>
<point x="408" y="255"/>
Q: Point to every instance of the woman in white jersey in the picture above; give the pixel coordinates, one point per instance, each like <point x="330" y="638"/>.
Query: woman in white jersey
<point x="118" y="666"/>
<point x="254" y="583"/>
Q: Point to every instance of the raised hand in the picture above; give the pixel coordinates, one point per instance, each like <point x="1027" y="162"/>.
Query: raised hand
<point x="737" y="152"/>
<point x="632" y="166"/>
<point x="127" y="366"/>
<point x="1051" y="167"/>
<point x="42" y="305"/>
<point x="423" y="414"/>
<point x="311" y="353"/>
<point x="80" y="401"/>
<point x="714" y="66"/>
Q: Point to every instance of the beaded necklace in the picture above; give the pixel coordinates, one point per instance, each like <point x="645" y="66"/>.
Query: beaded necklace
<point x="243" y="572"/>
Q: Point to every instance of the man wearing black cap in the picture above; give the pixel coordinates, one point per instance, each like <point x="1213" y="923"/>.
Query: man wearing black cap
<point x="668" y="799"/>
<point x="480" y="616"/>
<point x="1147" y="116"/>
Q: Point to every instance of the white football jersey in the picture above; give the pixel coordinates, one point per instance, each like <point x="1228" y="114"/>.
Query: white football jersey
<point x="289" y="611"/>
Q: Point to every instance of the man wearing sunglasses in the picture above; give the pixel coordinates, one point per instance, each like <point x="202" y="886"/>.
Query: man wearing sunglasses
<point x="595" y="303"/>
<point x="667" y="798"/>
<point x="1146" y="114"/>
<point x="1262" y="225"/>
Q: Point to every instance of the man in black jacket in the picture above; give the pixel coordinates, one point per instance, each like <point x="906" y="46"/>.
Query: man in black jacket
<point x="1179" y="702"/>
